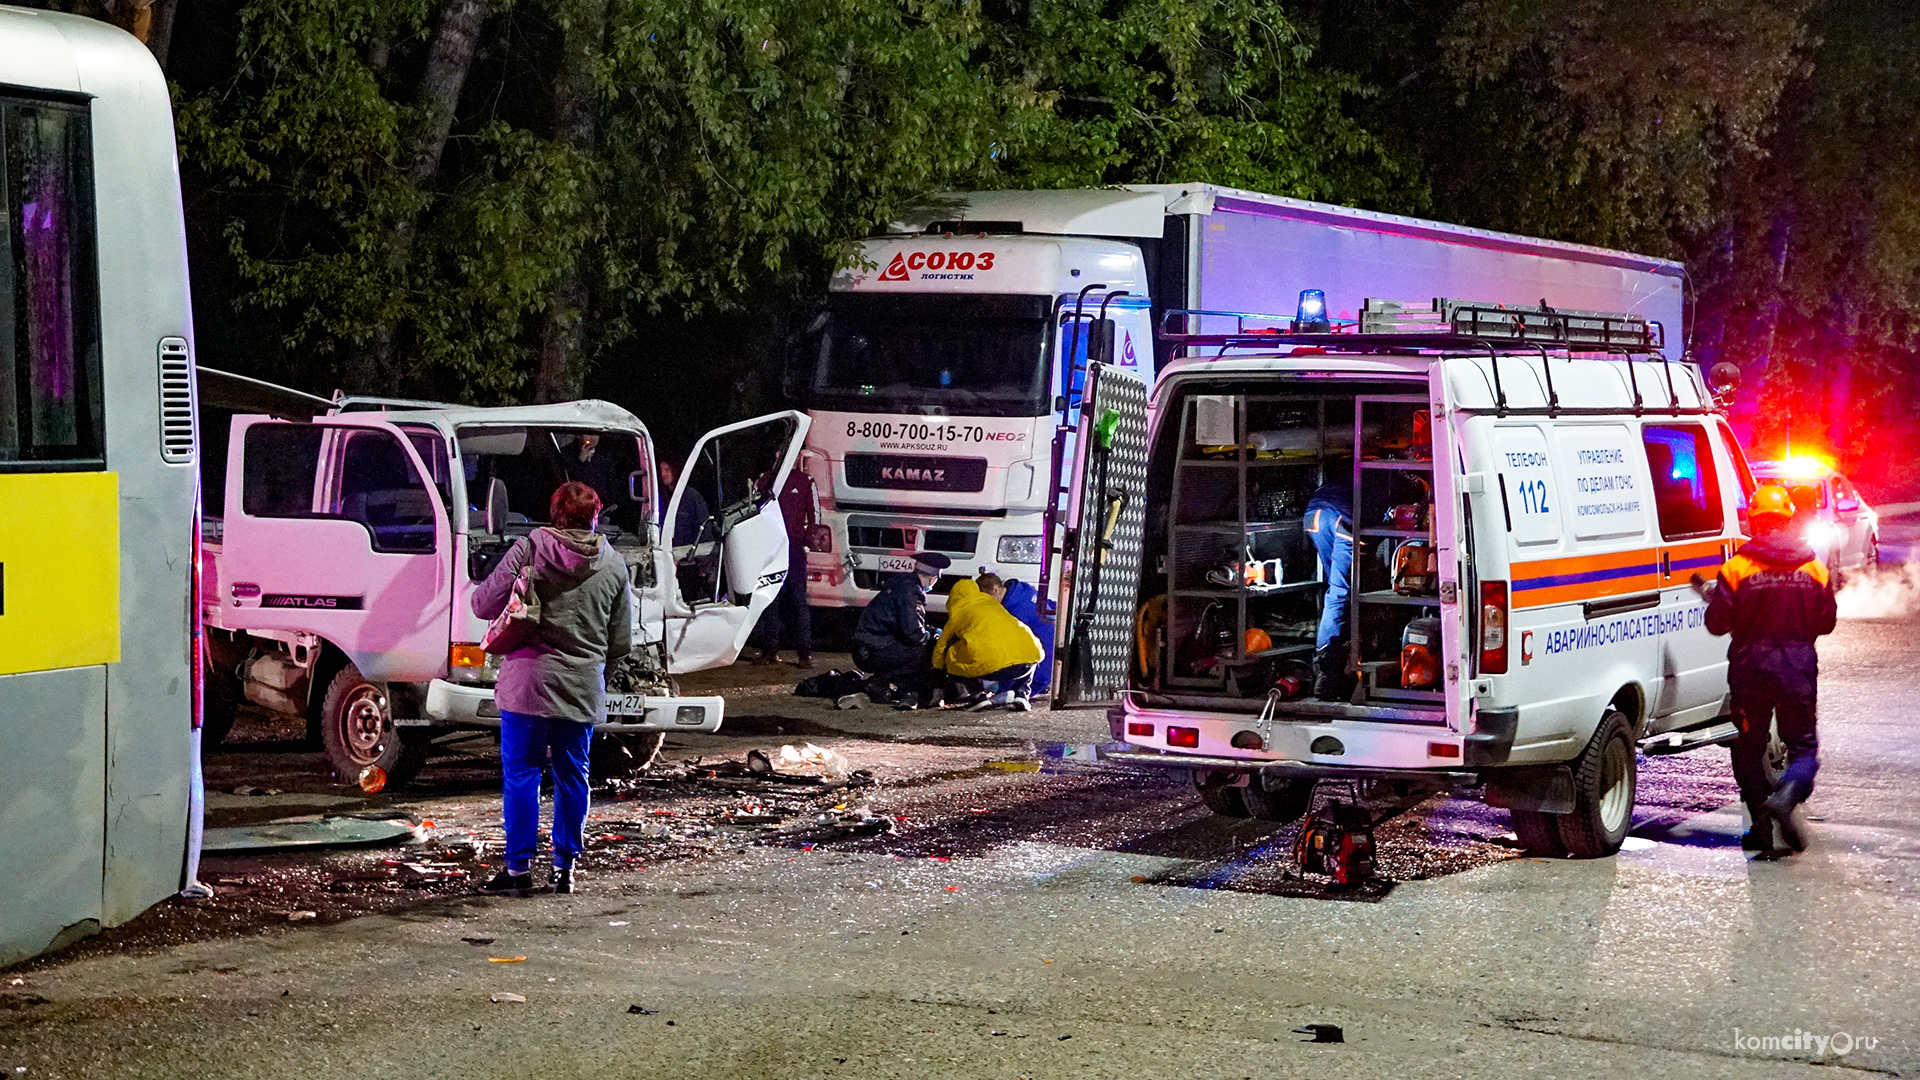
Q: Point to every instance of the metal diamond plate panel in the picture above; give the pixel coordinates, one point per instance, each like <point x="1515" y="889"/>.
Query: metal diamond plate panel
<point x="1108" y="550"/>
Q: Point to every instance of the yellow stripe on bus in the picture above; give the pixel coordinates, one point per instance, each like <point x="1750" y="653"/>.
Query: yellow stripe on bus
<point x="59" y="570"/>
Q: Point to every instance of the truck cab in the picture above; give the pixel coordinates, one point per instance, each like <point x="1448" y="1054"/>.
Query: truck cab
<point x="939" y="376"/>
<point x="339" y="576"/>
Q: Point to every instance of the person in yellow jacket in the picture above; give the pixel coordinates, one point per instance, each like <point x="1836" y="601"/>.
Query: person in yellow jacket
<point x="983" y="641"/>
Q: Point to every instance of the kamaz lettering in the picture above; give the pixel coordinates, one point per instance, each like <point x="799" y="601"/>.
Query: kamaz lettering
<point x="909" y="472"/>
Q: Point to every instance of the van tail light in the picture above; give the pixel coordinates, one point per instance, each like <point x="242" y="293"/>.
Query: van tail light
<point x="1493" y="628"/>
<point x="1188" y="737"/>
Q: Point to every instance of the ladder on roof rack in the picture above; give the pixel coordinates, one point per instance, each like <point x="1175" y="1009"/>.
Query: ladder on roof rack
<point x="1390" y="326"/>
<point x="1541" y="324"/>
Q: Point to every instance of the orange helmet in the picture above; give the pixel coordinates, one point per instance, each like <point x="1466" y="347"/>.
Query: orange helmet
<point x="1771" y="503"/>
<point x="1258" y="640"/>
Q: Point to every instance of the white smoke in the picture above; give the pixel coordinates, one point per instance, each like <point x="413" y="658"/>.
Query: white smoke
<point x="1890" y="592"/>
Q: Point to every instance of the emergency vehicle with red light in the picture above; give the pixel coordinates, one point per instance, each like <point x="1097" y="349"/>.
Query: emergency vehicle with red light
<point x="1532" y="489"/>
<point x="341" y="553"/>
<point x="946" y="372"/>
<point x="1829" y="512"/>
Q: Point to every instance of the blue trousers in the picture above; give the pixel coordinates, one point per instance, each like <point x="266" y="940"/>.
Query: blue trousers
<point x="524" y="744"/>
<point x="1011" y="682"/>
<point x="1332" y="536"/>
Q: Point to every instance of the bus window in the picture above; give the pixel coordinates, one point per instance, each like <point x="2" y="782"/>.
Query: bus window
<point x="50" y="398"/>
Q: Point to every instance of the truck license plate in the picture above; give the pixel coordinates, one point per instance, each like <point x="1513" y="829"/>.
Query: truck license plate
<point x="626" y="704"/>
<point x="896" y="564"/>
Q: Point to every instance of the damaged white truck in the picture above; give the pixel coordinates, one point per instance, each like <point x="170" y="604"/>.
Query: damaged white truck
<point x="338" y="571"/>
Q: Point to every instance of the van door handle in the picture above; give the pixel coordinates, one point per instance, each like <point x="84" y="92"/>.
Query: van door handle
<point x="1666" y="564"/>
<point x="1619" y="605"/>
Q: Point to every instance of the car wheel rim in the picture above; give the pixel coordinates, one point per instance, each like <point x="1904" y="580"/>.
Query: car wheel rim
<point x="363" y="723"/>
<point x="1616" y="778"/>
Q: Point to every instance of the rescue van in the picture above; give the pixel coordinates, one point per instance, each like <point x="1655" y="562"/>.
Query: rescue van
<point x="1531" y="493"/>
<point x="340" y="560"/>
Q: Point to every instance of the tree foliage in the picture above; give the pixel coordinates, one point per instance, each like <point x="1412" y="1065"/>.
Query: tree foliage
<point x="739" y="145"/>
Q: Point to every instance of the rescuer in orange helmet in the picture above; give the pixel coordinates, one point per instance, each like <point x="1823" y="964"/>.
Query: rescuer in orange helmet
<point x="1775" y="598"/>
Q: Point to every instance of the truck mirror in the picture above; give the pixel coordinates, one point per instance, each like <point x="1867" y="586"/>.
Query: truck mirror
<point x="496" y="507"/>
<point x="1100" y="341"/>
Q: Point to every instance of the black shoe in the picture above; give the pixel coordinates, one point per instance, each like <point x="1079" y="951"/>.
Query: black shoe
<point x="505" y="884"/>
<point x="908" y="704"/>
<point x="560" y="880"/>
<point x="767" y="656"/>
<point x="805" y="661"/>
<point x="1758" y="837"/>
<point x="1780" y="806"/>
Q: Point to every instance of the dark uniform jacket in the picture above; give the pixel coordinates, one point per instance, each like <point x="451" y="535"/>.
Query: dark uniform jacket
<point x="1775" y="598"/>
<point x="898" y="616"/>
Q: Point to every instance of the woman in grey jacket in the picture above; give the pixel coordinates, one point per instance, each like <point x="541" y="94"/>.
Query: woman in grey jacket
<point x="552" y="690"/>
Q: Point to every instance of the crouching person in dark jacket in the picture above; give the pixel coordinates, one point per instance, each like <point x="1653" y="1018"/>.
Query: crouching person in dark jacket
<point x="1775" y="598"/>
<point x="552" y="690"/>
<point x="890" y="641"/>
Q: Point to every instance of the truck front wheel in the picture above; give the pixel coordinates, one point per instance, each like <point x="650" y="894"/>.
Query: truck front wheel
<point x="356" y="727"/>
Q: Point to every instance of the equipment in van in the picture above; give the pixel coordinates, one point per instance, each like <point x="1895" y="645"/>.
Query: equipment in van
<point x="1419" y="654"/>
<point x="1416" y="569"/>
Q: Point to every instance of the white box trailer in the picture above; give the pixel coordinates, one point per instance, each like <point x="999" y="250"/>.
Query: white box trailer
<point x="944" y="379"/>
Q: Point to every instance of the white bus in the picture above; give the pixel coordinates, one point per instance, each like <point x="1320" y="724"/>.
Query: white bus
<point x="99" y="682"/>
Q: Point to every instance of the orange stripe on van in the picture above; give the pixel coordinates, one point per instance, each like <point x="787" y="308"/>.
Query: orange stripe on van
<point x="1585" y="577"/>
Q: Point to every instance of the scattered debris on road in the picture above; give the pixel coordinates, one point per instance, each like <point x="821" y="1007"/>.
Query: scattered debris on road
<point x="500" y="996"/>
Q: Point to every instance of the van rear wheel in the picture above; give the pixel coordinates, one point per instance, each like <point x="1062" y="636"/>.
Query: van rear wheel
<point x="1604" y="781"/>
<point x="356" y="727"/>
<point x="1539" y="833"/>
<point x="1223" y="799"/>
<point x="1283" y="804"/>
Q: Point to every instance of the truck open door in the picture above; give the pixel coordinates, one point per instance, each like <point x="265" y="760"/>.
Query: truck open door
<point x="1462" y="605"/>
<point x="1102" y="549"/>
<point x="727" y="540"/>
<point x="329" y="523"/>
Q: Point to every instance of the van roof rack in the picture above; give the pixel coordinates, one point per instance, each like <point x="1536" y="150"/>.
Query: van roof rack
<point x="1451" y="326"/>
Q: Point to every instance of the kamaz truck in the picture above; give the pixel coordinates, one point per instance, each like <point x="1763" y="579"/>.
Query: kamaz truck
<point x="944" y="376"/>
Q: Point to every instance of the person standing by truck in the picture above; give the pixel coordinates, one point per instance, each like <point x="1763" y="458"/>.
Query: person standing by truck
<point x="1775" y="598"/>
<point x="789" y="616"/>
<point x="552" y="690"/>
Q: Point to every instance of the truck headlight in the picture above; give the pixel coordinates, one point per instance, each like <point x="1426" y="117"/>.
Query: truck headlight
<point x="1019" y="549"/>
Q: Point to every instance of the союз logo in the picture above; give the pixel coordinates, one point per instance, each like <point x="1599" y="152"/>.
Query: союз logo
<point x="902" y="265"/>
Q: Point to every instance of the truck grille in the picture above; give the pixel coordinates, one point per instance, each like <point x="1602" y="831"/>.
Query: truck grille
<point x="875" y="536"/>
<point x="903" y="473"/>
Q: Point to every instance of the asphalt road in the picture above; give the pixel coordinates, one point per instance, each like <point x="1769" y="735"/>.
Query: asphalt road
<point x="1074" y="921"/>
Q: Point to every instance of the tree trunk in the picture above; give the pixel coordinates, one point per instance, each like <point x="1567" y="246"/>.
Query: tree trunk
<point x="160" y="34"/>
<point x="448" y="60"/>
<point x="574" y="123"/>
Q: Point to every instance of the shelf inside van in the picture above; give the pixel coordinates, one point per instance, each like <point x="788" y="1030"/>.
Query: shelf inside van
<point x="1415" y="466"/>
<point x="1388" y="596"/>
<point x="1406" y="534"/>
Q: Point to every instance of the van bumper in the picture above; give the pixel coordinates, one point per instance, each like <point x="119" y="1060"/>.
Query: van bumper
<point x="465" y="705"/>
<point x="1302" y="744"/>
